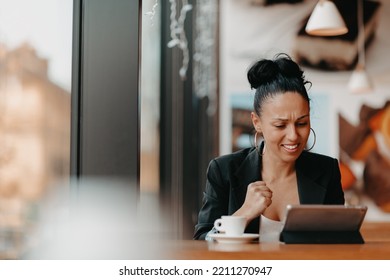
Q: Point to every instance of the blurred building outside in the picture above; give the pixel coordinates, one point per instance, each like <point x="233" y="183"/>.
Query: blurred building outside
<point x="34" y="142"/>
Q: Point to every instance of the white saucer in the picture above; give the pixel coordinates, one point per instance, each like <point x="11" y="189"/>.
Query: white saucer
<point x="223" y="238"/>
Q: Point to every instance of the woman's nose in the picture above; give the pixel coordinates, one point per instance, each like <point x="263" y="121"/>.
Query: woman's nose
<point x="292" y="133"/>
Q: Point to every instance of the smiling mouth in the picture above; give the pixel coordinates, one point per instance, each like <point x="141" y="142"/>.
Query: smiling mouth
<point x="291" y="147"/>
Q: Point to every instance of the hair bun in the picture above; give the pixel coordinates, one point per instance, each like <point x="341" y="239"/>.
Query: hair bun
<point x="262" y="72"/>
<point x="290" y="69"/>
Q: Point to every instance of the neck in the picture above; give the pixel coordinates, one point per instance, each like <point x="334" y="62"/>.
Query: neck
<point x="275" y="169"/>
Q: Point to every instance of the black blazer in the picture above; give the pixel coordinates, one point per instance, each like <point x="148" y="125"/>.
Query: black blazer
<point x="228" y="176"/>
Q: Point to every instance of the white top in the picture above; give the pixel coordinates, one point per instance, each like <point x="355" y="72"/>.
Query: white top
<point x="269" y="229"/>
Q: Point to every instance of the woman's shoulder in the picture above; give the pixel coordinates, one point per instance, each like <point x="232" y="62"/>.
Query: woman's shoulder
<point x="317" y="159"/>
<point x="236" y="156"/>
<point x="313" y="155"/>
<point x="233" y="160"/>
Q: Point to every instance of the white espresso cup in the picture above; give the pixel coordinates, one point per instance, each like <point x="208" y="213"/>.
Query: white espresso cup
<point x="231" y="225"/>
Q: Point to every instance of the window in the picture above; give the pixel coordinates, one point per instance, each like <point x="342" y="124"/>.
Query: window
<point x="35" y="82"/>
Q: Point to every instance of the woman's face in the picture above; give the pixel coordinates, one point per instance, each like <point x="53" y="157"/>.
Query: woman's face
<point x="285" y="125"/>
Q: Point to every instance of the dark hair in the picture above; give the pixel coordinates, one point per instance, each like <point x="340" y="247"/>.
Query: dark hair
<point x="271" y="77"/>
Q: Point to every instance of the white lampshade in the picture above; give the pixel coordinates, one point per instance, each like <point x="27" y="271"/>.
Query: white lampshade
<point x="359" y="81"/>
<point x="326" y="20"/>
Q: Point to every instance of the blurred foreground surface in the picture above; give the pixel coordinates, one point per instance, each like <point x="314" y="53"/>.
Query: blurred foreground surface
<point x="90" y="219"/>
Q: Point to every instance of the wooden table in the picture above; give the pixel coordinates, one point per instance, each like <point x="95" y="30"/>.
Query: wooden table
<point x="376" y="236"/>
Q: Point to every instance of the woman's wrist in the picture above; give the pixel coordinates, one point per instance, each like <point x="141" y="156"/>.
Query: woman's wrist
<point x="242" y="213"/>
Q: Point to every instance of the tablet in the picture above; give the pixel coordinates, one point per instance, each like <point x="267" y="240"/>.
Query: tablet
<point x="323" y="224"/>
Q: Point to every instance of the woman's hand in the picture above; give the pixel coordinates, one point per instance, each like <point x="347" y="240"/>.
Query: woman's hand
<point x="258" y="198"/>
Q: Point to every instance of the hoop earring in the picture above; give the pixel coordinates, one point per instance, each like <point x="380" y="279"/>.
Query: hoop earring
<point x="315" y="139"/>
<point x="257" y="146"/>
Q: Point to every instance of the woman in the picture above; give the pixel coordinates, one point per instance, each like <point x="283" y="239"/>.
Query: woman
<point x="258" y="183"/>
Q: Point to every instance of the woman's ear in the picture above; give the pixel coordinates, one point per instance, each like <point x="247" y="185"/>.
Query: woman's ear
<point x="256" y="121"/>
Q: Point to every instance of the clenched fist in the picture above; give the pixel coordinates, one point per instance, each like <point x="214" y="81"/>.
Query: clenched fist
<point x="258" y="198"/>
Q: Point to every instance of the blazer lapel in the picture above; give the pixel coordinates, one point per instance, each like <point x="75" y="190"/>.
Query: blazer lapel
<point x="309" y="189"/>
<point x="248" y="172"/>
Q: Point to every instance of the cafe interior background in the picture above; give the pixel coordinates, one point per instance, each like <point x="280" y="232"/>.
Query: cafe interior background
<point x="195" y="104"/>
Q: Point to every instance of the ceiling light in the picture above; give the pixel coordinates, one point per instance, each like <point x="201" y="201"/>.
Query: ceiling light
<point x="326" y="20"/>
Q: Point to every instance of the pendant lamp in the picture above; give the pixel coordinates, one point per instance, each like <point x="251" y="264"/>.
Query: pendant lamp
<point x="326" y="20"/>
<point x="360" y="81"/>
